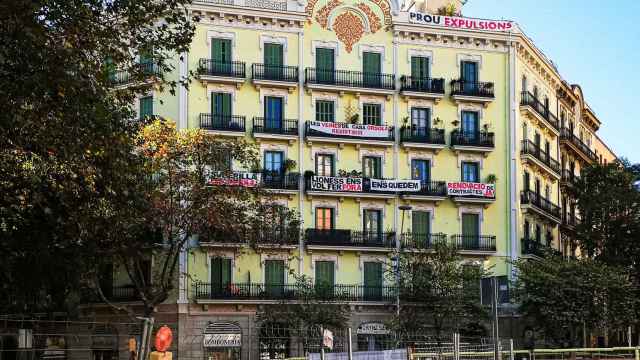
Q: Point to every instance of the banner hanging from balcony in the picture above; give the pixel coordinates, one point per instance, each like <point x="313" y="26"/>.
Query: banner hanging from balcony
<point x="244" y="179"/>
<point x="395" y="185"/>
<point x="455" y="22"/>
<point x="345" y="129"/>
<point x="471" y="189"/>
<point x="329" y="183"/>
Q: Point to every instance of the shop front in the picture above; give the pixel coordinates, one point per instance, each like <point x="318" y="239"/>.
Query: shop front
<point x="222" y="341"/>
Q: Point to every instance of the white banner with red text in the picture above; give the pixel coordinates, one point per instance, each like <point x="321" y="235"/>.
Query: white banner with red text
<point x="471" y="189"/>
<point x="345" y="129"/>
<point x="244" y="179"/>
<point x="455" y="22"/>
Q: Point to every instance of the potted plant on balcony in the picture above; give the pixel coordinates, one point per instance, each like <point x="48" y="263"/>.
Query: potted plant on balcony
<point x="455" y="122"/>
<point x="491" y="179"/>
<point x="309" y="173"/>
<point x="288" y="165"/>
<point x="487" y="127"/>
<point x="353" y="119"/>
<point x="437" y="121"/>
<point x="349" y="174"/>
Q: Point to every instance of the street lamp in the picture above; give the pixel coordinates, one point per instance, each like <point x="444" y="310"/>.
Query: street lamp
<point x="404" y="209"/>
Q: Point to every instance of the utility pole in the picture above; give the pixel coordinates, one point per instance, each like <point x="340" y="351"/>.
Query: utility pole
<point x="496" y="339"/>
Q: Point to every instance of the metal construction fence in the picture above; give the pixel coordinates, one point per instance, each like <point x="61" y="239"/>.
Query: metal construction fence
<point x="30" y="339"/>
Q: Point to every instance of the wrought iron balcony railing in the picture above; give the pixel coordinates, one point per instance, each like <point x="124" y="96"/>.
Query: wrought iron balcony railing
<point x="235" y="69"/>
<point x="530" y="148"/>
<point x="421" y="241"/>
<point x="472" y="138"/>
<point x="567" y="135"/>
<point x="275" y="126"/>
<point x="122" y="77"/>
<point x="280" y="181"/>
<point x="569" y="220"/>
<point x="210" y="121"/>
<point x="527" y="99"/>
<point x="569" y="177"/>
<point x="422" y="135"/>
<point x="311" y="132"/>
<point x="323" y="292"/>
<point x="472" y="88"/>
<point x="431" y="188"/>
<point x="122" y="293"/>
<point x="532" y="198"/>
<point x="343" y="237"/>
<point x="275" y="72"/>
<point x="422" y="84"/>
<point x="474" y="242"/>
<point x="257" y="235"/>
<point x="536" y="248"/>
<point x="353" y="79"/>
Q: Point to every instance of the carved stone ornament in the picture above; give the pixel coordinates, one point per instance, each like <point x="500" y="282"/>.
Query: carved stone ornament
<point x="322" y="16"/>
<point x="349" y="29"/>
<point x="374" y="21"/>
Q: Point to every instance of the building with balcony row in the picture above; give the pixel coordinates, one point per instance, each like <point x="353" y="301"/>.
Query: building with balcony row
<point x="463" y="121"/>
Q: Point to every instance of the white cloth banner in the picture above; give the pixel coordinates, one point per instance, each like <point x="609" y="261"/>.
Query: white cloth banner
<point x="455" y="22"/>
<point x="471" y="189"/>
<point x="244" y="179"/>
<point x="330" y="183"/>
<point x="395" y="185"/>
<point x="344" y="129"/>
<point x="398" y="354"/>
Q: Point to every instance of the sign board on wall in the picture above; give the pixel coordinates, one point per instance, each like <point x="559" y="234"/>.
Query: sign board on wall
<point x="355" y="130"/>
<point x="454" y="22"/>
<point x="372" y="328"/>
<point x="244" y="179"/>
<point x="330" y="183"/>
<point x="395" y="185"/>
<point x="222" y="340"/>
<point x="471" y="189"/>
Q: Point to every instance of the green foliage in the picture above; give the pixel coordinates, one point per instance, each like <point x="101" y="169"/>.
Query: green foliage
<point x="438" y="292"/>
<point x="65" y="136"/>
<point x="312" y="307"/>
<point x="559" y="296"/>
<point x="609" y="209"/>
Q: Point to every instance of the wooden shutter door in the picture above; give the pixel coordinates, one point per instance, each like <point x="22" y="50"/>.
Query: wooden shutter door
<point x="470" y="224"/>
<point x="324" y="65"/>
<point x="274" y="277"/>
<point x="372" y="281"/>
<point x="420" y="228"/>
<point x="273" y="60"/>
<point x="371" y="67"/>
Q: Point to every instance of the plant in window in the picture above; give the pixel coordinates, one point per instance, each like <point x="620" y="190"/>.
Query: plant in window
<point x="437" y="121"/>
<point x="487" y="127"/>
<point x="289" y="165"/>
<point x="448" y="10"/>
<point x="351" y="174"/>
<point x="405" y="120"/>
<point x="491" y="179"/>
<point x="353" y="119"/>
<point x="455" y="122"/>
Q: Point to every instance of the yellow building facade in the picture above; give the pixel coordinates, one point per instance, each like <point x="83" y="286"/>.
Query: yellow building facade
<point x="404" y="128"/>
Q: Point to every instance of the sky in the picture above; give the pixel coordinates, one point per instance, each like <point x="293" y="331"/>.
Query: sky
<point x="594" y="44"/>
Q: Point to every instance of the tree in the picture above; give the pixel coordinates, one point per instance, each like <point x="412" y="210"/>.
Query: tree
<point x="563" y="297"/>
<point x="66" y="138"/>
<point x="609" y="208"/>
<point x="189" y="190"/>
<point x="438" y="292"/>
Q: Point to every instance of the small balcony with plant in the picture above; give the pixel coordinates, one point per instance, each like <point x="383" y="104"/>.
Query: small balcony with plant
<point x="472" y="91"/>
<point x="421" y="137"/>
<point x="223" y="124"/>
<point x="422" y="87"/>
<point x="420" y="241"/>
<point x="536" y="248"/>
<point x="482" y="141"/>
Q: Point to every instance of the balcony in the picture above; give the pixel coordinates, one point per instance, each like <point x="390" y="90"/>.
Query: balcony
<point x="205" y="292"/>
<point x="530" y="200"/>
<point x="533" y="154"/>
<point x="341" y="238"/>
<point x="568" y="178"/>
<point x="422" y="138"/>
<point x="125" y="293"/>
<point x="569" y="221"/>
<point x="474" y="243"/>
<point x="345" y="133"/>
<point x="568" y="139"/>
<point x="421" y="241"/>
<point x="286" y="129"/>
<point x="429" y="191"/>
<point x="275" y="76"/>
<point x="231" y="125"/>
<point x="231" y="72"/>
<point x="422" y="88"/>
<point x="262" y="236"/>
<point x="471" y="91"/>
<point x="529" y="104"/>
<point x="531" y="247"/>
<point x="476" y="141"/>
<point x="283" y="183"/>
<point x="349" y="81"/>
<point x="148" y="71"/>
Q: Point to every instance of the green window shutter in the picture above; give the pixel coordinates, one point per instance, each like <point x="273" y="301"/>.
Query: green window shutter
<point x="325" y="111"/>
<point x="220" y="275"/>
<point x="324" y="273"/>
<point x="274" y="277"/>
<point x="273" y="54"/>
<point x="146" y="106"/>
<point x="221" y="104"/>
<point x="325" y="66"/>
<point x="420" y="223"/>
<point x="371" y="67"/>
<point x="221" y="50"/>
<point x="470" y="225"/>
<point x="372" y="280"/>
<point x="419" y="67"/>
